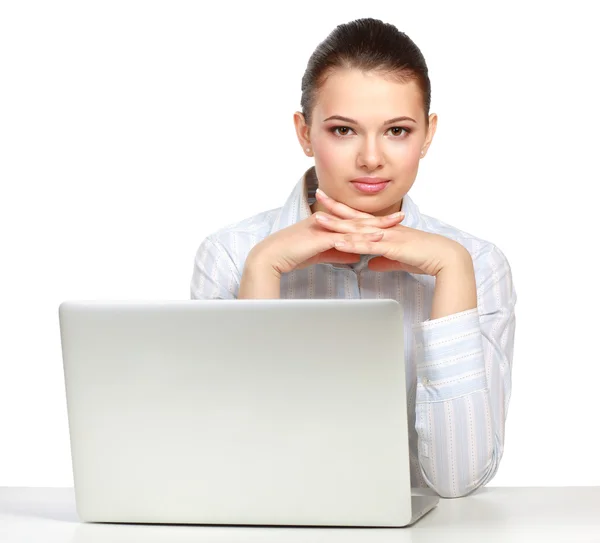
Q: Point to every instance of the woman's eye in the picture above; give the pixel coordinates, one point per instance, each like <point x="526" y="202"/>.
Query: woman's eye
<point x="339" y="128"/>
<point x="396" y="128"/>
<point x="400" y="128"/>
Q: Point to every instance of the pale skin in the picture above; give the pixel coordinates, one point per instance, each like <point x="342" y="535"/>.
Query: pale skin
<point x="344" y="150"/>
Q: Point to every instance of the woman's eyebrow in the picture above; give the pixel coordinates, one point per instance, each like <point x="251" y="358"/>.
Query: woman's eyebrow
<point x="352" y="121"/>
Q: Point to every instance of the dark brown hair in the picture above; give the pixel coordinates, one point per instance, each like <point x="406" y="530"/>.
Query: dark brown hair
<point x="369" y="45"/>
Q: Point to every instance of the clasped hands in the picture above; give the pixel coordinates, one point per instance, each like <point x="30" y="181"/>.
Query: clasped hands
<point x="400" y="247"/>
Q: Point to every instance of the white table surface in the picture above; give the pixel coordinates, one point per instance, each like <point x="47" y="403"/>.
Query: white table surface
<point x="492" y="514"/>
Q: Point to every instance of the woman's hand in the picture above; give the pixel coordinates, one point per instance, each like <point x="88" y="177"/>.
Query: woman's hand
<point x="400" y="247"/>
<point x="311" y="241"/>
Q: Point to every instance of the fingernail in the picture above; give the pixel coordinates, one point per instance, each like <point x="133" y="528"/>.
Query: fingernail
<point x="322" y="193"/>
<point x="396" y="215"/>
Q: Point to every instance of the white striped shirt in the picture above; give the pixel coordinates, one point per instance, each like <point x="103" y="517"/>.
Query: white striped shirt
<point x="458" y="367"/>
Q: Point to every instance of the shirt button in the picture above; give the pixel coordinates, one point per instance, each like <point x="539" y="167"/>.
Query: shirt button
<point x="425" y="381"/>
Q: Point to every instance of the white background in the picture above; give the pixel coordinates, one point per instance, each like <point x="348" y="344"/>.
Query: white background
<point x="131" y="130"/>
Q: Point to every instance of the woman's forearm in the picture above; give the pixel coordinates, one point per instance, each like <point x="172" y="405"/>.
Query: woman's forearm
<point x="455" y="288"/>
<point x="259" y="279"/>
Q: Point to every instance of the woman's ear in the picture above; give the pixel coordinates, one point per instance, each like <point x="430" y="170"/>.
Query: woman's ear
<point x="302" y="132"/>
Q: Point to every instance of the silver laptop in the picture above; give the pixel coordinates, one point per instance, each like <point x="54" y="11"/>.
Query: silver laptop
<point x="239" y="412"/>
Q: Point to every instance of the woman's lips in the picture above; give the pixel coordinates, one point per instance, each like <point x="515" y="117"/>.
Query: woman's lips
<point x="370" y="188"/>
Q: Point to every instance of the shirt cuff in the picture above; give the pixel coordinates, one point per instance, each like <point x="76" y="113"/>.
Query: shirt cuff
<point x="449" y="356"/>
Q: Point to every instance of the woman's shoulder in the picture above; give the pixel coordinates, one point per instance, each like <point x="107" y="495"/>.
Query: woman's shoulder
<point x="234" y="241"/>
<point x="476" y="245"/>
<point x="255" y="226"/>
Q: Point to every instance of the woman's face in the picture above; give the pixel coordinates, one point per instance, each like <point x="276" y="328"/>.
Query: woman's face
<point x="364" y="144"/>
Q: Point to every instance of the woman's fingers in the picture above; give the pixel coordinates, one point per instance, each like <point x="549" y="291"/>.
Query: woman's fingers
<point x="359" y="245"/>
<point x="337" y="257"/>
<point x="341" y="210"/>
<point x="364" y="225"/>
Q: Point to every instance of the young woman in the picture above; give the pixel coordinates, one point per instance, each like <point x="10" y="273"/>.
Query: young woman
<point x="365" y="120"/>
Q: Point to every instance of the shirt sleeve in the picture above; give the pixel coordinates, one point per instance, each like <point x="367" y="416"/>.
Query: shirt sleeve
<point x="215" y="275"/>
<point x="464" y="364"/>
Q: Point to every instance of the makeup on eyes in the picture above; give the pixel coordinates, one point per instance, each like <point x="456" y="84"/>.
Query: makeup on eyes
<point x="404" y="134"/>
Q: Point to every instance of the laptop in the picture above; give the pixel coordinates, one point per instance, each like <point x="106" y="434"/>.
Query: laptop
<point x="239" y="412"/>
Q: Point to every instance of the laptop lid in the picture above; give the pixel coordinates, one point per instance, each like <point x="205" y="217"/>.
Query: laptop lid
<point x="270" y="412"/>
